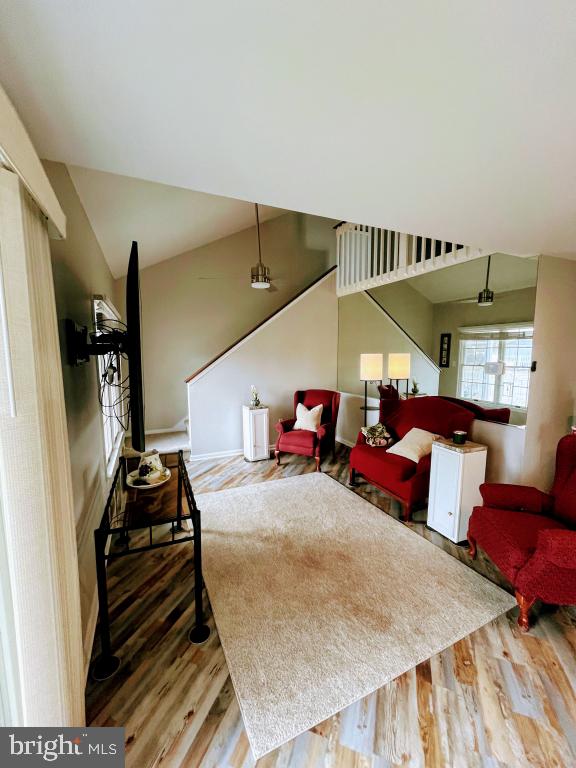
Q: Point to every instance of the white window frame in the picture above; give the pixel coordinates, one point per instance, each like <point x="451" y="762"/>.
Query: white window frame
<point x="112" y="430"/>
<point x="500" y="333"/>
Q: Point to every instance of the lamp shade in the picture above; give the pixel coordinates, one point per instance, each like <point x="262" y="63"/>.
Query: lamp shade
<point x="399" y="365"/>
<point x="372" y="367"/>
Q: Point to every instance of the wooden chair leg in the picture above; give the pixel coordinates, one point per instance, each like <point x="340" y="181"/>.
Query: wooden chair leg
<point x="472" y="549"/>
<point x="317" y="458"/>
<point x="524" y="603"/>
<point x="407" y="512"/>
<point x="277" y="454"/>
<point x="352" y="478"/>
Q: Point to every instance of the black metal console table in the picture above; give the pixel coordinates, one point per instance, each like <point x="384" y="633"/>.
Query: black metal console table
<point x="118" y="522"/>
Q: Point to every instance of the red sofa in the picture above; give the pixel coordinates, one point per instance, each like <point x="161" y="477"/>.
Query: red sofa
<point x="399" y="477"/>
<point x="530" y="534"/>
<point x="501" y="415"/>
<point x="304" y="441"/>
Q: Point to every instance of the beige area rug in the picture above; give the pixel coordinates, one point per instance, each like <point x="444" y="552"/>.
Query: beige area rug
<point x="320" y="598"/>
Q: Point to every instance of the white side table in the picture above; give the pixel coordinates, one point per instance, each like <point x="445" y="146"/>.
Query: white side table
<point x="256" y="433"/>
<point x="456" y="474"/>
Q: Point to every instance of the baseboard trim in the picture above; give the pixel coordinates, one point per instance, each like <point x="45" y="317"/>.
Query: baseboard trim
<point x="215" y="455"/>
<point x="239" y="452"/>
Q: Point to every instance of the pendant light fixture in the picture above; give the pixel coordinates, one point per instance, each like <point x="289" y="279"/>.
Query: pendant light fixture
<point x="486" y="296"/>
<point x="260" y="273"/>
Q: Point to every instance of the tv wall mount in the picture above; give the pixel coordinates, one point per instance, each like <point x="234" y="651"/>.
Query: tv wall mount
<point x="109" y="339"/>
<point x="81" y="343"/>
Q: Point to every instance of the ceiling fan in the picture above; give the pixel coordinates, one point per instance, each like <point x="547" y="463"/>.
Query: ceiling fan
<point x="259" y="275"/>
<point x="485" y="297"/>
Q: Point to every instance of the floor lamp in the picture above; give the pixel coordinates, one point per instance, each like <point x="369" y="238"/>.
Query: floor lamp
<point x="371" y="369"/>
<point x="399" y="368"/>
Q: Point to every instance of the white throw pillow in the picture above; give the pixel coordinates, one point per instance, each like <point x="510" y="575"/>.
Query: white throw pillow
<point x="415" y="444"/>
<point x="308" y="419"/>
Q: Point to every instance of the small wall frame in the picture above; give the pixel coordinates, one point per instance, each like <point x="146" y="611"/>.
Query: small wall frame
<point x="445" y="344"/>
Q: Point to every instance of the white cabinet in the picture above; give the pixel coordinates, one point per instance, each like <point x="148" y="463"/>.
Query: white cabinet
<point x="456" y="474"/>
<point x="256" y="433"/>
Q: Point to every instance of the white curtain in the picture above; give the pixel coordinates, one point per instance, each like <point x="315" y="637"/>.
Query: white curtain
<point x="35" y="485"/>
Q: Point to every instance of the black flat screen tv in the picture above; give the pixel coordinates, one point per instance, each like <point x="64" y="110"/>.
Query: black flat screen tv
<point x="134" y="350"/>
<point x="114" y="340"/>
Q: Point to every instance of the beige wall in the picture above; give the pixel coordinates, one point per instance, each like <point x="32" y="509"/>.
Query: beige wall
<point x="509" y="307"/>
<point x="284" y="355"/>
<point x="364" y="327"/>
<point x="80" y="271"/>
<point x="198" y="303"/>
<point x="553" y="386"/>
<point x="411" y="310"/>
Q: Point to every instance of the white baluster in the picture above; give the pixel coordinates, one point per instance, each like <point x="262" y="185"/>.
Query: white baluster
<point x="402" y="251"/>
<point x="338" y="261"/>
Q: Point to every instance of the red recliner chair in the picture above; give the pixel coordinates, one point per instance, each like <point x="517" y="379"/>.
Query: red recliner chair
<point x="530" y="535"/>
<point x="396" y="476"/>
<point x="303" y="441"/>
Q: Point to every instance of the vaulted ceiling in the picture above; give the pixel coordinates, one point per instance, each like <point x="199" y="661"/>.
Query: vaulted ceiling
<point x="464" y="281"/>
<point x="165" y="220"/>
<point x="450" y="119"/>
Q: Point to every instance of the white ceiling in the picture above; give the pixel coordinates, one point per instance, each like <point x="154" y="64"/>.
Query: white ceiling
<point x="164" y="220"/>
<point x="450" y="119"/>
<point x="464" y="281"/>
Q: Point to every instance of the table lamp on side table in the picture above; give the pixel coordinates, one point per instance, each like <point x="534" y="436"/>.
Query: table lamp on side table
<point x="371" y="369"/>
<point x="399" y="368"/>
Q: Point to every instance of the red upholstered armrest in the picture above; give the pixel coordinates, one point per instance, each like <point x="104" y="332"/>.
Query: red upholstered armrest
<point x="557" y="547"/>
<point x="324" y="429"/>
<point x="518" y="497"/>
<point x="284" y="425"/>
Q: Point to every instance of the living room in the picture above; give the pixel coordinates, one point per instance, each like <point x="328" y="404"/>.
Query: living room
<point x="361" y="394"/>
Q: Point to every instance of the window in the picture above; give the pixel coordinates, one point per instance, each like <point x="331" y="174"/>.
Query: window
<point x="494" y="364"/>
<point x="110" y="384"/>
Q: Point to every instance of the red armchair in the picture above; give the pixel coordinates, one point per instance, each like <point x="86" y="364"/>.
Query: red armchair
<point x="530" y="535"/>
<point x="396" y="476"/>
<point x="303" y="441"/>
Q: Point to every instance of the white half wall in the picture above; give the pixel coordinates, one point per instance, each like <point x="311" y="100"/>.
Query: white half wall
<point x="505" y="459"/>
<point x="296" y="349"/>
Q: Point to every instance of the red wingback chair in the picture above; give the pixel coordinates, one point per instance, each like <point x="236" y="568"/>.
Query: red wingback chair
<point x="530" y="534"/>
<point x="304" y="441"/>
<point x="395" y="475"/>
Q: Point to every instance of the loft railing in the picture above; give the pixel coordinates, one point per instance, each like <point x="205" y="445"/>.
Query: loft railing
<point x="369" y="256"/>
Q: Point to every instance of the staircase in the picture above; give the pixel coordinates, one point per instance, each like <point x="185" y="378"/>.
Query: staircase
<point x="369" y="256"/>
